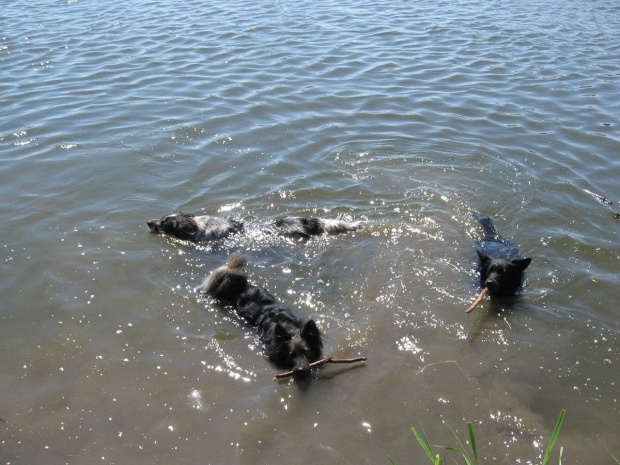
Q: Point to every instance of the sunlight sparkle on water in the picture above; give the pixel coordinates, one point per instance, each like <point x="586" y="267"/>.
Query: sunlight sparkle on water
<point x="229" y="207"/>
<point x="195" y="399"/>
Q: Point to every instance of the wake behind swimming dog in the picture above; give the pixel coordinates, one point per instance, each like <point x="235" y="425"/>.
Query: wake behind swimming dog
<point x="289" y="341"/>
<point x="501" y="267"/>
<point x="205" y="228"/>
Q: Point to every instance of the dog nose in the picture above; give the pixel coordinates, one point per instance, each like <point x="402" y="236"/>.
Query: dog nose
<point x="302" y="369"/>
<point x="490" y="283"/>
<point x="152" y="223"/>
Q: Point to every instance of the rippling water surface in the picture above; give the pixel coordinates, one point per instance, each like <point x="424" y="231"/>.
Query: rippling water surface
<point x="409" y="115"/>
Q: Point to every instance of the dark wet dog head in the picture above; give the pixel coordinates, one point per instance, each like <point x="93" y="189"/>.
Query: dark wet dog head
<point x="181" y="225"/>
<point x="299" y="350"/>
<point x="502" y="276"/>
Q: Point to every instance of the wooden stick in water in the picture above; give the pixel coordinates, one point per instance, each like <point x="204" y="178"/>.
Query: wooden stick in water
<point x="323" y="361"/>
<point x="604" y="200"/>
<point x="478" y="300"/>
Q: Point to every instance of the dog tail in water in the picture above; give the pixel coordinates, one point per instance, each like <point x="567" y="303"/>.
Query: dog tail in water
<point x="487" y="225"/>
<point x="226" y="282"/>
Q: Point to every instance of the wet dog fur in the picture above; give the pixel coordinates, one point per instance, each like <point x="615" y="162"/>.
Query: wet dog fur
<point x="205" y="228"/>
<point x="501" y="267"/>
<point x="289" y="341"/>
<point x="194" y="228"/>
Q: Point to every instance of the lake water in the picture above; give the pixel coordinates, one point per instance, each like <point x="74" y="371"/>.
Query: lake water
<point x="409" y="115"/>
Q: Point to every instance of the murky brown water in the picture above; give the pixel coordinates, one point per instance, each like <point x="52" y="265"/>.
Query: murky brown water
<point x="411" y="116"/>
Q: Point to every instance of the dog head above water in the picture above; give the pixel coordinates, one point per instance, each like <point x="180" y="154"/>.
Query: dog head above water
<point x="503" y="277"/>
<point x="181" y="225"/>
<point x="295" y="351"/>
<point x="194" y="228"/>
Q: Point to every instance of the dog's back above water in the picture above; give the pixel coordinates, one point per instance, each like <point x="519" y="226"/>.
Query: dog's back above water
<point x="204" y="228"/>
<point x="289" y="342"/>
<point x="501" y="267"/>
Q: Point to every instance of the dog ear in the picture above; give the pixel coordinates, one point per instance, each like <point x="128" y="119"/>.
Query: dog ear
<point x="522" y="263"/>
<point x="281" y="334"/>
<point x="484" y="258"/>
<point x="310" y="330"/>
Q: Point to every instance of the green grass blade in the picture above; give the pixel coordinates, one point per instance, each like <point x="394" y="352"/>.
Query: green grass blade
<point x="462" y="451"/>
<point x="472" y="439"/>
<point x="554" y="437"/>
<point x="458" y="451"/>
<point x="424" y="443"/>
<point x="612" y="455"/>
<point x="391" y="461"/>
<point x="450" y="448"/>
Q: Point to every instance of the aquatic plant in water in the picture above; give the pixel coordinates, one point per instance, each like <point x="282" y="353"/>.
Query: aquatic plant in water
<point x="437" y="459"/>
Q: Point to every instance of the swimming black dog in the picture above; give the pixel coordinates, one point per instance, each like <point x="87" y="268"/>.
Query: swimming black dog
<point x="289" y="342"/>
<point x="205" y="228"/>
<point x="501" y="268"/>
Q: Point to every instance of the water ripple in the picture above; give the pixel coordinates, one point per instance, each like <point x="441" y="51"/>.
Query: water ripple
<point x="410" y="116"/>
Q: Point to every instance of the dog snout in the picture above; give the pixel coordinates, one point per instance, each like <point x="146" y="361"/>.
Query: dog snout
<point x="153" y="225"/>
<point x="301" y="369"/>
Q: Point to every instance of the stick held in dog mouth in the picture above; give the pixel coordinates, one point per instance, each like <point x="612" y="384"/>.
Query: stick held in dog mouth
<point x="323" y="361"/>
<point x="478" y="300"/>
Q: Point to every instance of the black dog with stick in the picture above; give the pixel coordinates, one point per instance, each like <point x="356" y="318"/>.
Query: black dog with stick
<point x="501" y="268"/>
<point x="289" y="341"/>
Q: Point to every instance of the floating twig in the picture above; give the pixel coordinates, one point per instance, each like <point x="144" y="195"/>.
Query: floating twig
<point x="604" y="200"/>
<point x="323" y="361"/>
<point x="478" y="300"/>
<point x="3" y="420"/>
<point x="439" y="363"/>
